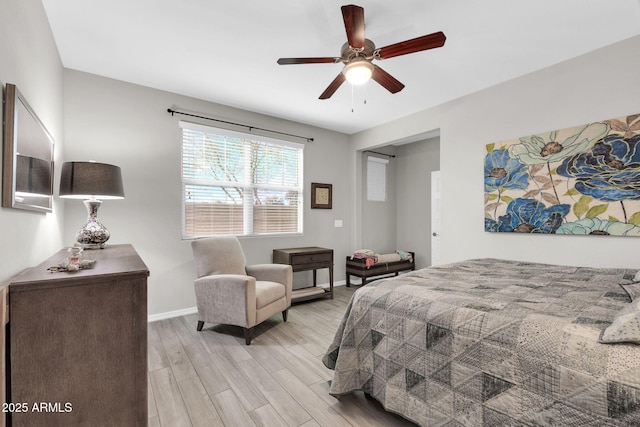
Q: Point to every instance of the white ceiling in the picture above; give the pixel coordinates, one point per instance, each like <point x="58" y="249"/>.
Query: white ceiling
<point x="226" y="51"/>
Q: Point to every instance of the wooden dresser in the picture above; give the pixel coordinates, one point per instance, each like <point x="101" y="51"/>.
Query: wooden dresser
<point x="78" y="342"/>
<point x="4" y="320"/>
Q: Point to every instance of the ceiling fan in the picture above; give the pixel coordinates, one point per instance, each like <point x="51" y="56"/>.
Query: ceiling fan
<point x="358" y="53"/>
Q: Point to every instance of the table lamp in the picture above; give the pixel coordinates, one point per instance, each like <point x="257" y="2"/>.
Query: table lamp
<point x="91" y="181"/>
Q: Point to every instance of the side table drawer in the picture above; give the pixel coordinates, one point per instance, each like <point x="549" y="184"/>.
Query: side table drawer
<point x="311" y="258"/>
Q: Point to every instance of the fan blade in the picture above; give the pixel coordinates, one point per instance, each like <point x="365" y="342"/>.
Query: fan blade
<point x="418" y="44"/>
<point x="386" y="80"/>
<point x="333" y="86"/>
<point x="353" y="17"/>
<point x="289" y="61"/>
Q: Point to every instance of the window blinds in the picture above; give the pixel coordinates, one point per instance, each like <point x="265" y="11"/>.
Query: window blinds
<point x="376" y="179"/>
<point x="241" y="184"/>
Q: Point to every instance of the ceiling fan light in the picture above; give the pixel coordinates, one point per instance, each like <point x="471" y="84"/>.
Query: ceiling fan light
<point x="358" y="72"/>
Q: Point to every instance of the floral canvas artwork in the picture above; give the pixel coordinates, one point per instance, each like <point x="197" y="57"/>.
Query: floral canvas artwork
<point x="580" y="180"/>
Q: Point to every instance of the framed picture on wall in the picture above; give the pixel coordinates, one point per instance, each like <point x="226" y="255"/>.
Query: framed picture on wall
<point x="321" y="196"/>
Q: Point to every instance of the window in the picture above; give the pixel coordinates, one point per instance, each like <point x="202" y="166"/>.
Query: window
<point x="241" y="184"/>
<point x="376" y="179"/>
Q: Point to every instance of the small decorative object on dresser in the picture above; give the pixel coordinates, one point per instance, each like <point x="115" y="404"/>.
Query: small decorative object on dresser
<point x="305" y="259"/>
<point x="321" y="196"/>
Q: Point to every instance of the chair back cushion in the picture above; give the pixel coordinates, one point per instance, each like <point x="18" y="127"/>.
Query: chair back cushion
<point x="218" y="255"/>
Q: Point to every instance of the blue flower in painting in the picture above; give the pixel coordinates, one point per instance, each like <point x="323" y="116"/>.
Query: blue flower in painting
<point x="597" y="226"/>
<point x="610" y="171"/>
<point x="490" y="225"/>
<point x="528" y="216"/>
<point x="502" y="171"/>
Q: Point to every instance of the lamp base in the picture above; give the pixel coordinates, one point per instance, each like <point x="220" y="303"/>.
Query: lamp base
<point x="89" y="246"/>
<point x="93" y="235"/>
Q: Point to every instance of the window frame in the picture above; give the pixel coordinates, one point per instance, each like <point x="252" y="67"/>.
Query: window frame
<point x="246" y="184"/>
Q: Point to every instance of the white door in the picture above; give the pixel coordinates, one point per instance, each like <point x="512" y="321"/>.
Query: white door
<point x="435" y="218"/>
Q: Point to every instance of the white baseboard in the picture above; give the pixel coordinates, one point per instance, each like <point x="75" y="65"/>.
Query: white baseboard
<point x="170" y="314"/>
<point x="193" y="310"/>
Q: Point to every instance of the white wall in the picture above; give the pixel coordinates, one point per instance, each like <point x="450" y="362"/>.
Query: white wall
<point x="29" y="59"/>
<point x="128" y="125"/>
<point x="379" y="218"/>
<point x="596" y="86"/>
<point x="414" y="164"/>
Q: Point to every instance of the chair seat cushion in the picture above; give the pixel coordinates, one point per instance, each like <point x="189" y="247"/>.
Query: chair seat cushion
<point x="268" y="292"/>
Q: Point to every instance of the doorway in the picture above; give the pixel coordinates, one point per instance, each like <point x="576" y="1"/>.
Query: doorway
<point x="435" y="218"/>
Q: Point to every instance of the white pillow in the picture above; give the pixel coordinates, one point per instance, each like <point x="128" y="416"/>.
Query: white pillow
<point x="625" y="326"/>
<point x="368" y="252"/>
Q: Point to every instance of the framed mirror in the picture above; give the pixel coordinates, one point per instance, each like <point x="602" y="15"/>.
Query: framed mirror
<point x="27" y="168"/>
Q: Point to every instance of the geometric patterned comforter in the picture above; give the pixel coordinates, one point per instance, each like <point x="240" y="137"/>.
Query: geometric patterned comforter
<point x="491" y="343"/>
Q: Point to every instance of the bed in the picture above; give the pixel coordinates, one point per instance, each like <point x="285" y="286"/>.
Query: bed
<point x="492" y="342"/>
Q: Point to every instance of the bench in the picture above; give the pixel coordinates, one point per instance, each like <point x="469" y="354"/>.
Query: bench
<point x="358" y="267"/>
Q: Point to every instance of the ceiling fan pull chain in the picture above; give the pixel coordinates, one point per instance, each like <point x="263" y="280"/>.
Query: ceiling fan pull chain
<point x="352" y="97"/>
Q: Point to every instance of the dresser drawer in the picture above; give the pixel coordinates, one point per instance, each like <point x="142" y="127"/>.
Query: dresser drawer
<point x="303" y="259"/>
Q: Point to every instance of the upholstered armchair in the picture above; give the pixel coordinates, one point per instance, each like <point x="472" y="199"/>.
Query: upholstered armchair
<point x="230" y="292"/>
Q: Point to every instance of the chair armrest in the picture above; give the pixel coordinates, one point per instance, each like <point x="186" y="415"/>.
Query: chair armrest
<point x="227" y="298"/>
<point x="279" y="273"/>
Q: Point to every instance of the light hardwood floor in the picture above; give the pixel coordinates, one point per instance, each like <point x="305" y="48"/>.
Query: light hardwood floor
<point x="211" y="378"/>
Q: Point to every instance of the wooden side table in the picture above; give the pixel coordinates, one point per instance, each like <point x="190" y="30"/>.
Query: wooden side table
<point x="305" y="259"/>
